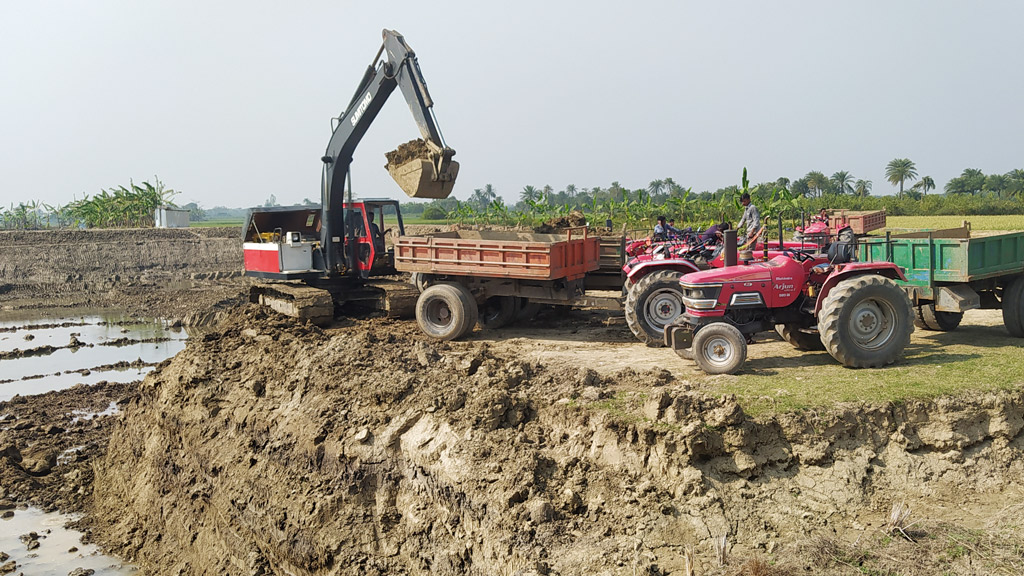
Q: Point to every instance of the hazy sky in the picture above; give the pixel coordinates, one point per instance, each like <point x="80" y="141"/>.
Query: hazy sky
<point x="230" y="102"/>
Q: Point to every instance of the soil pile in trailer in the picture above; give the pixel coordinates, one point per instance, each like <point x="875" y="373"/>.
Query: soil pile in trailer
<point x="270" y="447"/>
<point x="571" y="220"/>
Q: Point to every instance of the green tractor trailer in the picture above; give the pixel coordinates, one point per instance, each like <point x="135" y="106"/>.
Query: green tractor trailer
<point x="951" y="271"/>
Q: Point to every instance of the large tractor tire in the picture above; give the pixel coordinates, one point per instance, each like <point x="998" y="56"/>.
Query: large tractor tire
<point x="442" y="311"/>
<point x="1013" y="308"/>
<point x="498" y="311"/>
<point x="866" y="321"/>
<point x="652" y="303"/>
<point x="927" y="317"/>
<point x="801" y="339"/>
<point x="719" y="348"/>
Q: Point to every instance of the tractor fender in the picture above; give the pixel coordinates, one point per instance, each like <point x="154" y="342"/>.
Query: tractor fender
<point x="644" y="268"/>
<point x="844" y="271"/>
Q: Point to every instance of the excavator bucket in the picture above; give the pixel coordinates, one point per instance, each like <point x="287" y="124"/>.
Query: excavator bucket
<point x="415" y="167"/>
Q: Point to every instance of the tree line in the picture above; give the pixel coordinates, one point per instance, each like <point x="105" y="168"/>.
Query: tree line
<point x="971" y="193"/>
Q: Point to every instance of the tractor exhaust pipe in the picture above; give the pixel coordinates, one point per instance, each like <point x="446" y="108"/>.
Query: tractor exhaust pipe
<point x="730" y="248"/>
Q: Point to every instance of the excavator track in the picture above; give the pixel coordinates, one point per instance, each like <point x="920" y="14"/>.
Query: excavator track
<point x="296" y="300"/>
<point x="395" y="298"/>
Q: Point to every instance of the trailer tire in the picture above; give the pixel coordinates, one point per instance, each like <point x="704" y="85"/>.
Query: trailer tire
<point x="442" y="312"/>
<point x="806" y="341"/>
<point x="719" y="348"/>
<point x="498" y="311"/>
<point x="866" y="321"/>
<point x="472" y="308"/>
<point x="684" y="353"/>
<point x="527" y="310"/>
<point x="652" y="303"/>
<point x="927" y="317"/>
<point x="1013" y="307"/>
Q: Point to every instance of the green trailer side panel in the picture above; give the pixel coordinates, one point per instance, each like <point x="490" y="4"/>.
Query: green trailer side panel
<point x="950" y="259"/>
<point x="996" y="255"/>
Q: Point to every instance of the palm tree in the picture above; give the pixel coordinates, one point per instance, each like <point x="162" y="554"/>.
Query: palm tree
<point x="656" y="187"/>
<point x="817" y="181"/>
<point x="529" y="194"/>
<point x="924" y="185"/>
<point x="843" y="182"/>
<point x="899" y="170"/>
<point x="783" y="183"/>
<point x="862" y="188"/>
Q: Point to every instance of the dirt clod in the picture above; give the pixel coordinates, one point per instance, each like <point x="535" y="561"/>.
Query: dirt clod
<point x="411" y="150"/>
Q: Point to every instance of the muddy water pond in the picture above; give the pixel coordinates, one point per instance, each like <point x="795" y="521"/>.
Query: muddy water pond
<point x="44" y="353"/>
<point x="37" y="543"/>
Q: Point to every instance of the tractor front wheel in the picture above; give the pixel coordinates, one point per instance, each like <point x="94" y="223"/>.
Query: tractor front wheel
<point x="719" y="348"/>
<point x="652" y="303"/>
<point x="928" y="318"/>
<point x="866" y="321"/>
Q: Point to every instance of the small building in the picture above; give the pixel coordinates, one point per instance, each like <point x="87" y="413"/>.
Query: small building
<point x="168" y="217"/>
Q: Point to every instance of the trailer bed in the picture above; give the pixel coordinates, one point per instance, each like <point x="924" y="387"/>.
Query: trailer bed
<point x="954" y="255"/>
<point x="500" y="254"/>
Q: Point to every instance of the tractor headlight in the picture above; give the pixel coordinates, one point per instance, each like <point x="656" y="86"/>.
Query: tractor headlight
<point x="701" y="296"/>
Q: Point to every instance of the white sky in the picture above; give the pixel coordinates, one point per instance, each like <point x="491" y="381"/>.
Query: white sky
<point x="229" y="101"/>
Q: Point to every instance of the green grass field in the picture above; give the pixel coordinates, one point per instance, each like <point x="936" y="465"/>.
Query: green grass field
<point x="1010" y="222"/>
<point x="216" y="223"/>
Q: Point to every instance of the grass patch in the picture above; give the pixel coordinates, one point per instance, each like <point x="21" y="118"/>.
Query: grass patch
<point x="217" y="223"/>
<point x="1007" y="222"/>
<point x="973" y="358"/>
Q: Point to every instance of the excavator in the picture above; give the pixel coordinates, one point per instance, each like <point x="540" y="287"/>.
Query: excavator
<point x="316" y="258"/>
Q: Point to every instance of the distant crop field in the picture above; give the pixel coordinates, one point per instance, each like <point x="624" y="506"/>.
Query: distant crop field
<point x="216" y="223"/>
<point x="1009" y="222"/>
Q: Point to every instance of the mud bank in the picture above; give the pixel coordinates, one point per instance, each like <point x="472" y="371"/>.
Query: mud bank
<point x="172" y="273"/>
<point x="270" y="448"/>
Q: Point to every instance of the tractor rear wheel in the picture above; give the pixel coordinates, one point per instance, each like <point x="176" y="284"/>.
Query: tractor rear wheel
<point x="719" y="348"/>
<point x="1013" y="307"/>
<point x="442" y="312"/>
<point x="866" y="321"/>
<point x="801" y="338"/>
<point x="927" y="317"/>
<point x="652" y="303"/>
<point x="498" y="311"/>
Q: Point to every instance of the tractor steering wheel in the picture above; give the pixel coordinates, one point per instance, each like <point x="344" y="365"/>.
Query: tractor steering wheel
<point x="795" y="254"/>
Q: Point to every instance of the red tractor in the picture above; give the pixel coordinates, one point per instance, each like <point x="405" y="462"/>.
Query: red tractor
<point x="654" y="296"/>
<point x="815" y="301"/>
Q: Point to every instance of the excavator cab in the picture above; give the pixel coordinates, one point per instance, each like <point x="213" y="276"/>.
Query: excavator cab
<point x="372" y="223"/>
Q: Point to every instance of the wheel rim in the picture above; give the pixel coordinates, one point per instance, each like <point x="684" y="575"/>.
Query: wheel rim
<point x="662" y="307"/>
<point x="438" y="313"/>
<point x="718" y="351"/>
<point x="873" y="323"/>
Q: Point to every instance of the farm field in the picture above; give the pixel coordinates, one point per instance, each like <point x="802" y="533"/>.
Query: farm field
<point x="1002" y="222"/>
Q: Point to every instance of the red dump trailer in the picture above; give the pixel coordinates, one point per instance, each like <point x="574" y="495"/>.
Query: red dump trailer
<point x="491" y="277"/>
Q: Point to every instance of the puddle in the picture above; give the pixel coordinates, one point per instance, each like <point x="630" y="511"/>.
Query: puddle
<point x="80" y="415"/>
<point x="53" y="556"/>
<point x="149" y="342"/>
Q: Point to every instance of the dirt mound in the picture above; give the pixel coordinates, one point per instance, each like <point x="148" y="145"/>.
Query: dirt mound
<point x="571" y="220"/>
<point x="269" y="447"/>
<point x="411" y="150"/>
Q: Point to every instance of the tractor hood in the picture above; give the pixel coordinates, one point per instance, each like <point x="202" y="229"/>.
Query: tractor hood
<point x="758" y="272"/>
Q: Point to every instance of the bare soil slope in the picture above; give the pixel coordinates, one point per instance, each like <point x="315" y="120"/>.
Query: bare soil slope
<point x="271" y="448"/>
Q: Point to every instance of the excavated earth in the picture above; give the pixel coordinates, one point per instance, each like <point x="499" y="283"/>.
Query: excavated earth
<point x="270" y="447"/>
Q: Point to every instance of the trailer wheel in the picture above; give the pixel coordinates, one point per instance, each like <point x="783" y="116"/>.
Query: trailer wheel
<point x="498" y="311"/>
<point x="1013" y="307"/>
<point x="527" y="310"/>
<point x="799" y="338"/>
<point x="927" y="317"/>
<point x="652" y="303"/>
<point x="866" y="321"/>
<point x="719" y="348"/>
<point x="442" y="313"/>
<point x="472" y="308"/>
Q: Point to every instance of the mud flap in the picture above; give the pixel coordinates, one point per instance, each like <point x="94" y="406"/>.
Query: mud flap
<point x="417" y="178"/>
